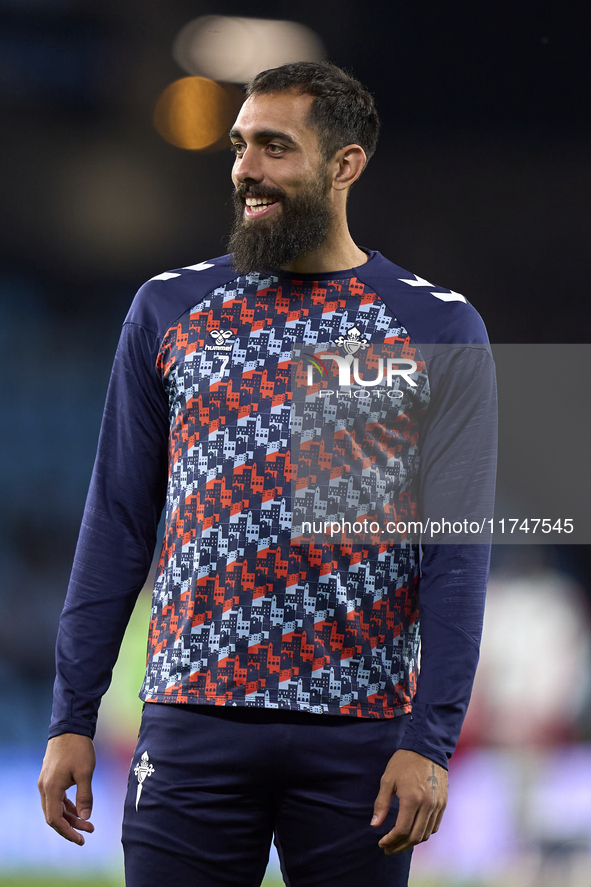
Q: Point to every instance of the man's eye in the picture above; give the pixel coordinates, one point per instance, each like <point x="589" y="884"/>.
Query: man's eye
<point x="275" y="149"/>
<point x="237" y="148"/>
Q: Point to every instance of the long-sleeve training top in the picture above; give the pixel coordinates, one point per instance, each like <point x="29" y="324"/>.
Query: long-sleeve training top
<point x="296" y="428"/>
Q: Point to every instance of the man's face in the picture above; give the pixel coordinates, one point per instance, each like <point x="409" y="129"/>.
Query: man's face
<point x="281" y="199"/>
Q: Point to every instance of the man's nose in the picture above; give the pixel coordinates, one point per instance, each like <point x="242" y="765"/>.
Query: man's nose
<point x="247" y="167"/>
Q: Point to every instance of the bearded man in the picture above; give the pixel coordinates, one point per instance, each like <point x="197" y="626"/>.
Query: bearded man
<point x="283" y="694"/>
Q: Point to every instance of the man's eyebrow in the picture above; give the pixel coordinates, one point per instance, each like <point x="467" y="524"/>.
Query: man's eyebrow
<point x="262" y="134"/>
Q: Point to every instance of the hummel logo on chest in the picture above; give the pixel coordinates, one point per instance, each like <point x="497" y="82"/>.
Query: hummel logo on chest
<point x="220" y="337"/>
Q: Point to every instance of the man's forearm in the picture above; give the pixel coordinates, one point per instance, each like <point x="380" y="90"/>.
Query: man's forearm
<point x="117" y="536"/>
<point x="454" y="581"/>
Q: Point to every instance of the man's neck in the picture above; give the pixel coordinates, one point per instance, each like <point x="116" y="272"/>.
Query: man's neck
<point x="339" y="252"/>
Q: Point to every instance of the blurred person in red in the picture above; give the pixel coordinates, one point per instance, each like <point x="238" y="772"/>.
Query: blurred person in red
<point x="514" y="698"/>
<point x="283" y="697"/>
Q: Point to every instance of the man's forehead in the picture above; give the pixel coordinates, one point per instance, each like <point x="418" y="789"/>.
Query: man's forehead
<point x="286" y="111"/>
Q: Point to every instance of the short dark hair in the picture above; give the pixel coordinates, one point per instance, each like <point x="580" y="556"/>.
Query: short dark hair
<point x="343" y="111"/>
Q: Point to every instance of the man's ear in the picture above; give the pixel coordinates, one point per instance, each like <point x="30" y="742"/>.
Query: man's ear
<point x="349" y="162"/>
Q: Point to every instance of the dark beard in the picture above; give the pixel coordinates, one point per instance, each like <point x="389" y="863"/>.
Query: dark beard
<point x="302" y="226"/>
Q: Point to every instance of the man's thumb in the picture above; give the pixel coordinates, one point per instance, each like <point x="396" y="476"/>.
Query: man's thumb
<point x="381" y="807"/>
<point x="84" y="798"/>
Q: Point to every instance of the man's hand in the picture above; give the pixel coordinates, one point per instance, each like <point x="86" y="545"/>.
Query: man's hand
<point x="69" y="760"/>
<point x="421" y="787"/>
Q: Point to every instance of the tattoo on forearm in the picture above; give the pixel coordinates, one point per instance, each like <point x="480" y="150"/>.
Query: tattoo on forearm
<point x="433" y="780"/>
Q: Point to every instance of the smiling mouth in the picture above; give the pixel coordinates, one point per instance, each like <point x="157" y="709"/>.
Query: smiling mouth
<point x="260" y="207"/>
<point x="259" y="204"/>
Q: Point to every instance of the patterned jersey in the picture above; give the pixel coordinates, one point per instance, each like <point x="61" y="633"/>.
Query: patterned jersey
<point x="263" y="411"/>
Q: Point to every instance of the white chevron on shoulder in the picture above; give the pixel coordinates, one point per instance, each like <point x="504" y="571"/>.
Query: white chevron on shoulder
<point x="450" y="296"/>
<point x="166" y="275"/>
<point x="418" y="281"/>
<point x="200" y="266"/>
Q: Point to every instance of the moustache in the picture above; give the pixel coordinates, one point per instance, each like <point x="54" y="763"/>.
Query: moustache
<point x="244" y="191"/>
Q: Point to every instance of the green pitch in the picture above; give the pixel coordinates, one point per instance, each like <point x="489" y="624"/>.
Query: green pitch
<point x="39" y="881"/>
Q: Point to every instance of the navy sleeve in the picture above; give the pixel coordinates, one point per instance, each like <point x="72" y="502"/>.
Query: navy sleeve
<point x="118" y="532"/>
<point x="457" y="478"/>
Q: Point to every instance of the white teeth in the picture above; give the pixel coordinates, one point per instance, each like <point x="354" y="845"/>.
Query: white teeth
<point x="259" y="201"/>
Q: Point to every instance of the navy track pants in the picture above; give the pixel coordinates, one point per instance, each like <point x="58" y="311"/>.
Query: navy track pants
<point x="211" y="786"/>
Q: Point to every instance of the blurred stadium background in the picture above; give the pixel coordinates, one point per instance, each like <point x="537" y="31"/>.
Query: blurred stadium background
<point x="114" y="169"/>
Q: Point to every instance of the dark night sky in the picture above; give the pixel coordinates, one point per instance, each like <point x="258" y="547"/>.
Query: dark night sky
<point x="481" y="180"/>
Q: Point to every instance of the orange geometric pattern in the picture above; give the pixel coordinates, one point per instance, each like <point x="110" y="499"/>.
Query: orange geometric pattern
<point x="247" y="609"/>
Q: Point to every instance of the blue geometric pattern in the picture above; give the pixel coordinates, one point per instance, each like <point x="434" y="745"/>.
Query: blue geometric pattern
<point x="246" y="609"/>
